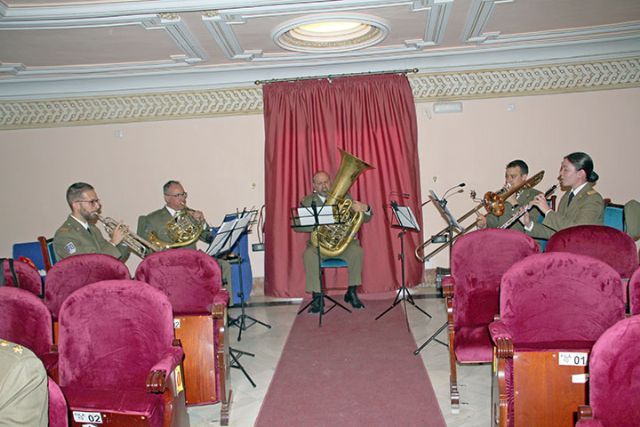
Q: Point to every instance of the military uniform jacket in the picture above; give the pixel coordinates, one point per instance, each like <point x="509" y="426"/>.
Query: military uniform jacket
<point x="526" y="195"/>
<point x="587" y="207"/>
<point x="156" y="222"/>
<point x="314" y="197"/>
<point x="23" y="387"/>
<point x="72" y="238"/>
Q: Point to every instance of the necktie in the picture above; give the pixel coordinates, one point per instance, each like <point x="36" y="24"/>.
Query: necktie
<point x="570" y="198"/>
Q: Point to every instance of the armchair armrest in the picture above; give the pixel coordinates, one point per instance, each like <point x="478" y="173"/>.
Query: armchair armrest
<point x="222" y="297"/>
<point x="501" y="337"/>
<point x="156" y="379"/>
<point x="447" y="286"/>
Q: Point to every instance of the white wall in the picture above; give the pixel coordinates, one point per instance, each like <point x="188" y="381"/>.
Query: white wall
<point x="220" y="160"/>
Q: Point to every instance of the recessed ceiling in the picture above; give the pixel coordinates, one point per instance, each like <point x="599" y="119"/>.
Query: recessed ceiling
<point x="63" y="48"/>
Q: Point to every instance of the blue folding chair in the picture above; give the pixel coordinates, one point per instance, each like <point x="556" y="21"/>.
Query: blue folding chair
<point x="39" y="252"/>
<point x="614" y="216"/>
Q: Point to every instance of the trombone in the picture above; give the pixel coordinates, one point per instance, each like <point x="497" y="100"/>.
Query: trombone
<point x="492" y="201"/>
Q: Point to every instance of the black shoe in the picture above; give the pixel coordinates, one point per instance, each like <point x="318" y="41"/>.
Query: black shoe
<point x="317" y="305"/>
<point x="352" y="298"/>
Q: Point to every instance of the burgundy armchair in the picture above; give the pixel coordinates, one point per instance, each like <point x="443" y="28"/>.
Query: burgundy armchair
<point x="76" y="271"/>
<point x="634" y="293"/>
<point x="58" y="411"/>
<point x="117" y="358"/>
<point x="602" y="242"/>
<point x="27" y="277"/>
<point x="553" y="307"/>
<point x="614" y="378"/>
<point x="192" y="281"/>
<point x="25" y="320"/>
<point x="478" y="261"/>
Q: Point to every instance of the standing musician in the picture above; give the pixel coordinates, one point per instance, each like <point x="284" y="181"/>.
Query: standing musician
<point x="352" y="254"/>
<point x="582" y="204"/>
<point x="79" y="234"/>
<point x="176" y="200"/>
<point x="515" y="174"/>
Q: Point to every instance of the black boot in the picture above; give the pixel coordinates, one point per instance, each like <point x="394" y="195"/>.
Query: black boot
<point x="317" y="305"/>
<point x="352" y="298"/>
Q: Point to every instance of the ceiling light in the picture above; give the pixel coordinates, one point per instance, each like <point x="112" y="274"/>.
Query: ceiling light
<point x="330" y="33"/>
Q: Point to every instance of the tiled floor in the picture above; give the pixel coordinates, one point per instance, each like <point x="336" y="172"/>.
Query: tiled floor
<point x="474" y="381"/>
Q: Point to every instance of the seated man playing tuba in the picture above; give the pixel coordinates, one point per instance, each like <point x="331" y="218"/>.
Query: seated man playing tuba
<point x="352" y="254"/>
<point x="156" y="226"/>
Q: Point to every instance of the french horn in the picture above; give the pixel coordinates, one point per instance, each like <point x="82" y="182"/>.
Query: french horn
<point x="183" y="230"/>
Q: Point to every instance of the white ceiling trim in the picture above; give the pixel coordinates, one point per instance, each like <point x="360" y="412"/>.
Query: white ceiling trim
<point x="520" y="81"/>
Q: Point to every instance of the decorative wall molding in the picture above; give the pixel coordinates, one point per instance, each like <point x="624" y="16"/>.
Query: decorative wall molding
<point x="590" y="76"/>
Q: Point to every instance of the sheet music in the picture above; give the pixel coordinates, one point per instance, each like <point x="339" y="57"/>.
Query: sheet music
<point x="228" y="234"/>
<point x="405" y="217"/>
<point x="307" y="217"/>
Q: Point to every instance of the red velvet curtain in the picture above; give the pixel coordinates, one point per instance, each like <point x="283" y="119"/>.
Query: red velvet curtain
<point x="306" y="123"/>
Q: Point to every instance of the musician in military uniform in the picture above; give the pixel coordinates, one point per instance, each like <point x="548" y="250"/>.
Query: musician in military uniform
<point x="580" y="205"/>
<point x="79" y="234"/>
<point x="23" y="387"/>
<point x="156" y="222"/>
<point x="352" y="254"/>
<point x="516" y="174"/>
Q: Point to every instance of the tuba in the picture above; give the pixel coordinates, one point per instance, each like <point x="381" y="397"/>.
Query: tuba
<point x="136" y="244"/>
<point x="333" y="239"/>
<point x="183" y="229"/>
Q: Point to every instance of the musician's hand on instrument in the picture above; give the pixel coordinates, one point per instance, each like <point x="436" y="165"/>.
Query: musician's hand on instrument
<point x="541" y="203"/>
<point x="359" y="206"/>
<point x="525" y="219"/>
<point x="119" y="233"/>
<point x="198" y="215"/>
<point x="481" y="220"/>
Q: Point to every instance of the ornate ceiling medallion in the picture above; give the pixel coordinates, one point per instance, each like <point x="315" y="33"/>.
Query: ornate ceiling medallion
<point x="330" y="33"/>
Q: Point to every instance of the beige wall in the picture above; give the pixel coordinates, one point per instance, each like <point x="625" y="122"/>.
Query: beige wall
<point x="220" y="160"/>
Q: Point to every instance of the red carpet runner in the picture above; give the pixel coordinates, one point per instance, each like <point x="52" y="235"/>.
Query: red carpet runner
<point x="353" y="371"/>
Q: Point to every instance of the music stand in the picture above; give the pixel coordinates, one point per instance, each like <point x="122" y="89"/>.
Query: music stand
<point x="441" y="206"/>
<point x="315" y="216"/>
<point x="227" y="236"/>
<point x="405" y="220"/>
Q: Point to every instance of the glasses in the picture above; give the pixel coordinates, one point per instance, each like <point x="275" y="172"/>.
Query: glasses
<point x="184" y="194"/>
<point x="91" y="202"/>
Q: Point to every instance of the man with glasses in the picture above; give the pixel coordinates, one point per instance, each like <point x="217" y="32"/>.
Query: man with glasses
<point x="79" y="234"/>
<point x="175" y="199"/>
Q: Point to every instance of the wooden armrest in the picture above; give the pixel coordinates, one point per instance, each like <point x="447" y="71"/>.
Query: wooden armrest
<point x="156" y="382"/>
<point x="585" y="412"/>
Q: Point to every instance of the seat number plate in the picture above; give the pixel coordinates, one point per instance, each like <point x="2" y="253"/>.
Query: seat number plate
<point x="573" y="359"/>
<point x="87" y="417"/>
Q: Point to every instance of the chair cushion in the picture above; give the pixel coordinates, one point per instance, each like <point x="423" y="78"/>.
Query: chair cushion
<point x="473" y="345"/>
<point x="129" y="402"/>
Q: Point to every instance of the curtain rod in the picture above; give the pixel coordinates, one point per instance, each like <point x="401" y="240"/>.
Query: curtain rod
<point x="333" y="76"/>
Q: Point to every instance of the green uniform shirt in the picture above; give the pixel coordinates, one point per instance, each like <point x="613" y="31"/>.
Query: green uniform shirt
<point x="587" y="207"/>
<point x="72" y="238"/>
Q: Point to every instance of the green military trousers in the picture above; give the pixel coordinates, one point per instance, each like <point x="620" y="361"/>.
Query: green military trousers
<point x="352" y="255"/>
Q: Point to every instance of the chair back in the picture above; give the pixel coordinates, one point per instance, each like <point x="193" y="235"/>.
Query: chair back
<point x="190" y="278"/>
<point x="614" y="376"/>
<point x="614" y="215"/>
<point x="77" y="271"/>
<point x="111" y="333"/>
<point x="602" y="242"/>
<point x="560" y="298"/>
<point x="478" y="261"/>
<point x="27" y="277"/>
<point x="25" y="320"/>
<point x="58" y="411"/>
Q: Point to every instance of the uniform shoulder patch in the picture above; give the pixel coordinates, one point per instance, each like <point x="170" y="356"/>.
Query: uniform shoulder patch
<point x="591" y="192"/>
<point x="70" y="248"/>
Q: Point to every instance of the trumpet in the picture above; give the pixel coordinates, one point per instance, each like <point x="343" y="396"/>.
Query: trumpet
<point x="493" y="202"/>
<point x="135" y="243"/>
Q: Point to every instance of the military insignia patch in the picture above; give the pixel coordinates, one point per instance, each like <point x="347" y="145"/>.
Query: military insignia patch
<point x="70" y="248"/>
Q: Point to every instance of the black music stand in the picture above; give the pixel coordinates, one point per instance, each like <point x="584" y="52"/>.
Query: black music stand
<point x="405" y="220"/>
<point x="227" y="236"/>
<point x="316" y="216"/>
<point x="441" y="206"/>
